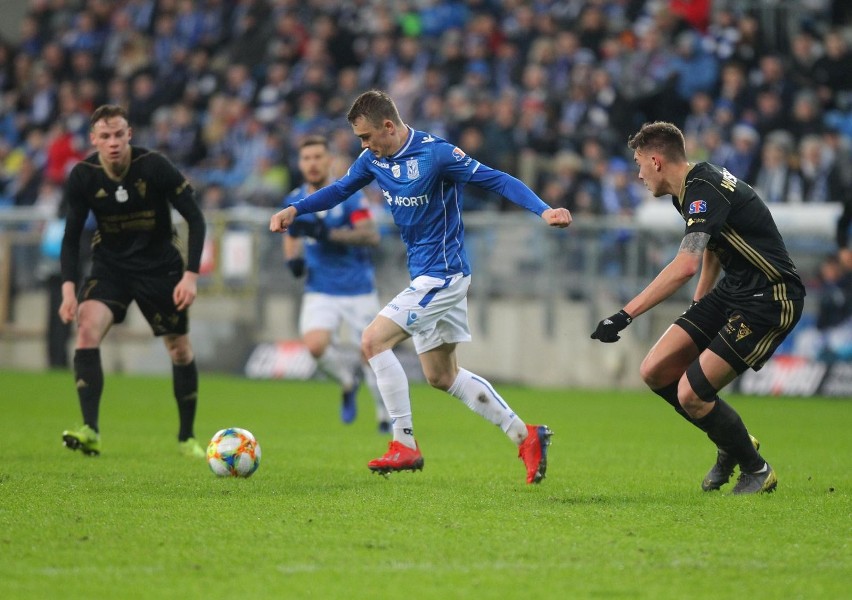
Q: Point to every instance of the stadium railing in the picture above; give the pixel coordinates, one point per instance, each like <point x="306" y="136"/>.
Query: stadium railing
<point x="528" y="279"/>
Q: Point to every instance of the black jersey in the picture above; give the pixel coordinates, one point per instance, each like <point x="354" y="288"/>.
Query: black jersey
<point x="134" y="219"/>
<point x="742" y="232"/>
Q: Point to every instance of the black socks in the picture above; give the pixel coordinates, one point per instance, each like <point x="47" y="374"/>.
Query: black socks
<point x="723" y="426"/>
<point x="89" y="378"/>
<point x="669" y="394"/>
<point x="185" y="385"/>
<point x="726" y="429"/>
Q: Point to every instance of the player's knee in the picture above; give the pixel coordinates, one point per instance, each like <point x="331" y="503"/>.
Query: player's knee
<point x="94" y="320"/>
<point x="180" y="350"/>
<point x="87" y="337"/>
<point x="182" y="358"/>
<point x="440" y="380"/>
<point x="315" y="348"/>
<point x="698" y="383"/>
<point x="652" y="374"/>
<point x="694" y="406"/>
<point x="316" y="341"/>
<point x="89" y="332"/>
<point x="371" y="344"/>
<point x="381" y="335"/>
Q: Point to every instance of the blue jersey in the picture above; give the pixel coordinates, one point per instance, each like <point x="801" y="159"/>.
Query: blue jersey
<point x="337" y="269"/>
<point x="422" y="185"/>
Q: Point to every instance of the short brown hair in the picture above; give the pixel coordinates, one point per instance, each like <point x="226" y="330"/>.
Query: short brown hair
<point x="375" y="106"/>
<point x="313" y="140"/>
<point x="107" y="111"/>
<point x="661" y="136"/>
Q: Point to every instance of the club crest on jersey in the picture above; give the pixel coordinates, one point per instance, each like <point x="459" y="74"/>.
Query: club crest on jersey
<point x="121" y="195"/>
<point x="141" y="187"/>
<point x="698" y="206"/>
<point x="395" y="170"/>
<point x="731" y="325"/>
<point x="412" y="169"/>
<point x="458" y="153"/>
<point x="743" y="331"/>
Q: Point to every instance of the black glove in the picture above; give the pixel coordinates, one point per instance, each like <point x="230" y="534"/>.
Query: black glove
<point x="608" y="329"/>
<point x="296" y="266"/>
<point x="313" y="228"/>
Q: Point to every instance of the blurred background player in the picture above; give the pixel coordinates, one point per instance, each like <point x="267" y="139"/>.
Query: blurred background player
<point x="844" y="250"/>
<point x="332" y="249"/>
<point x="732" y="325"/>
<point x="135" y="257"/>
<point x="421" y="177"/>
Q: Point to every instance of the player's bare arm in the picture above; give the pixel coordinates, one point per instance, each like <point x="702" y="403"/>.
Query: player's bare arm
<point x="292" y="247"/>
<point x="557" y="217"/>
<point x="710" y="270"/>
<point x="281" y="220"/>
<point x="694" y="243"/>
<point x="683" y="267"/>
<point x="363" y="233"/>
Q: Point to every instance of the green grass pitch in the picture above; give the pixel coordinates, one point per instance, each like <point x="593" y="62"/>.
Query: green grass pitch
<point x="620" y="515"/>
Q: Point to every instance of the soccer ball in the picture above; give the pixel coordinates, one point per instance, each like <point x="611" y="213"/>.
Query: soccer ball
<point x="233" y="452"/>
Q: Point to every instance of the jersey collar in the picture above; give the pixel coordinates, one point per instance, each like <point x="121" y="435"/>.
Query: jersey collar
<point x="682" y="191"/>
<point x="115" y="177"/>
<point x="406" y="144"/>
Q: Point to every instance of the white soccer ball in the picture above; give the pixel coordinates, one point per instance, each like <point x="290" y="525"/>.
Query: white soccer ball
<point x="233" y="452"/>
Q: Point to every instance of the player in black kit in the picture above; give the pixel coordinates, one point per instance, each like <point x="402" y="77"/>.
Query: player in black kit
<point x="135" y="257"/>
<point x="732" y="325"/>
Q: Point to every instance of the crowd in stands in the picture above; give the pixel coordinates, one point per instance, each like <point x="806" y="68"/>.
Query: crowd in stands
<point x="547" y="90"/>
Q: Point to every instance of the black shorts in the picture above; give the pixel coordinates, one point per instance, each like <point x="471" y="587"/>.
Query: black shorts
<point x="153" y="293"/>
<point x="743" y="332"/>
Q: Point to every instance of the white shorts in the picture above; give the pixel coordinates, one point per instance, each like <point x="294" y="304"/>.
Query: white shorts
<point x="329" y="312"/>
<point x="432" y="310"/>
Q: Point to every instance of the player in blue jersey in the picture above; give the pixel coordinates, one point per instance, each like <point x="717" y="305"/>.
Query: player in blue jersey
<point x="421" y="178"/>
<point x="332" y="248"/>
